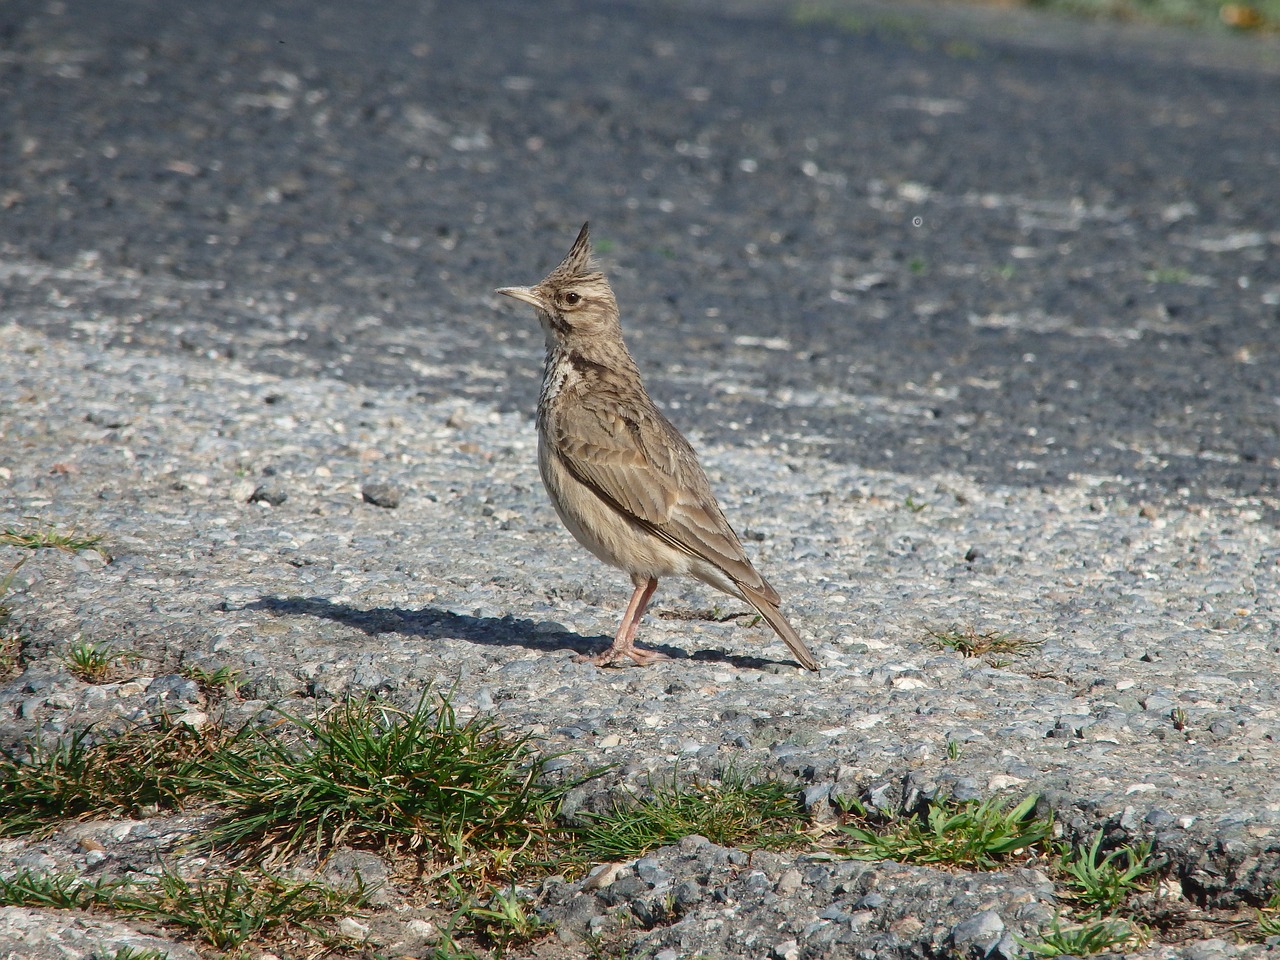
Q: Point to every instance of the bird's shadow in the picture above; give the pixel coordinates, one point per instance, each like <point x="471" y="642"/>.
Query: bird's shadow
<point x="431" y="623"/>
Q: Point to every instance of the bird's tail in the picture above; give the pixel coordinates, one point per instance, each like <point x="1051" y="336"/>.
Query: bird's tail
<point x="782" y="628"/>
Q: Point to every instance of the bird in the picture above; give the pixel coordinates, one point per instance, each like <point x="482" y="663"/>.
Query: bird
<point x="624" y="481"/>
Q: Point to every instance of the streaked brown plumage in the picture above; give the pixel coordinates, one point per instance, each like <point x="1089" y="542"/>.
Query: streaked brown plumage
<point x="624" y="481"/>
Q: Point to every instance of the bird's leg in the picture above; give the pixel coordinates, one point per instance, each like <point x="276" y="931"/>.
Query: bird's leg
<point x="624" y="642"/>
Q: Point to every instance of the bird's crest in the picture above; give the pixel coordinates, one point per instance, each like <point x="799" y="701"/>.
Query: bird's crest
<point x="579" y="264"/>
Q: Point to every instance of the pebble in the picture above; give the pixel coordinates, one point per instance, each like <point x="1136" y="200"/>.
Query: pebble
<point x="269" y="493"/>
<point x="386" y="495"/>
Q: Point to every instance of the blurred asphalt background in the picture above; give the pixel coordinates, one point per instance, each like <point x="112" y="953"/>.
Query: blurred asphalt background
<point x="1017" y="247"/>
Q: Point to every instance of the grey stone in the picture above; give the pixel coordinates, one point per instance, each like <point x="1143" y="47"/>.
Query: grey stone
<point x="978" y="933"/>
<point x="380" y="494"/>
<point x="269" y="493"/>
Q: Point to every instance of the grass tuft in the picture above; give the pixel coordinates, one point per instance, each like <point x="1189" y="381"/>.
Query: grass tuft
<point x="84" y="776"/>
<point x="225" y="911"/>
<point x="214" y="684"/>
<point x="1269" y="916"/>
<point x="133" y="953"/>
<point x="1100" y="883"/>
<point x="44" y="536"/>
<point x="56" y="891"/>
<point x="10" y="641"/>
<point x="373" y="776"/>
<point x="228" y="910"/>
<point x="94" y="662"/>
<point x="733" y="812"/>
<point x="975" y="835"/>
<point x="992" y="645"/>
<point x="1083" y="940"/>
<point x="10" y="652"/>
<point x="502" y="922"/>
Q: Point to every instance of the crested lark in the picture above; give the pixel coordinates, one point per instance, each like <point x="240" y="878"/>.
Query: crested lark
<point x="622" y="478"/>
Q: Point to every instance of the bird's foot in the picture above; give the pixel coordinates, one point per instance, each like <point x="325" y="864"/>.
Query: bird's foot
<point x="614" y="654"/>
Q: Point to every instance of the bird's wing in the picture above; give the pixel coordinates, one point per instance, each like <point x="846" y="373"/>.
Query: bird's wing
<point x="634" y="460"/>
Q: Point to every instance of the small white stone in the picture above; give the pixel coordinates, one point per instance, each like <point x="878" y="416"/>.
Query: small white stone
<point x="353" y="929"/>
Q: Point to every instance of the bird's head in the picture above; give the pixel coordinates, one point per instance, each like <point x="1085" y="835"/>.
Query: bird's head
<point x="574" y="300"/>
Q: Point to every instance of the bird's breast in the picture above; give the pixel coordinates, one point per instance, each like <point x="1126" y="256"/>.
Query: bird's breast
<point x="558" y="375"/>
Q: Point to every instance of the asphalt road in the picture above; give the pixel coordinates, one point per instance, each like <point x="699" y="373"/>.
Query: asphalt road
<point x="912" y="242"/>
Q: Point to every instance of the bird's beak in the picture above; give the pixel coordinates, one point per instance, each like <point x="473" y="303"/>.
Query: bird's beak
<point x="527" y="294"/>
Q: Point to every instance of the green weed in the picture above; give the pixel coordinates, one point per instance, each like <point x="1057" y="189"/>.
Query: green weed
<point x="93" y="662"/>
<point x="133" y="953"/>
<point x="960" y="834"/>
<point x="733" y="812"/>
<point x="1100" y="883"/>
<point x="85" y="775"/>
<point x="214" y="684"/>
<point x="43" y="536"/>
<point x="1269" y="916"/>
<point x="373" y="776"/>
<point x="991" y="643"/>
<point x="1083" y="940"/>
<point x="224" y="911"/>
<point x="503" y="921"/>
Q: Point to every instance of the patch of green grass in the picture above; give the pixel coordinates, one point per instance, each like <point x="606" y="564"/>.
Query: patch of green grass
<point x="914" y="505"/>
<point x="1083" y="940"/>
<point x="225" y="911"/>
<point x="133" y="953"/>
<point x="733" y="812"/>
<point x="94" y="662"/>
<point x="370" y="775"/>
<point x="228" y="910"/>
<point x="1269" y="916"/>
<point x="991" y="644"/>
<point x="1168" y="275"/>
<point x="83" y="775"/>
<point x="10" y="651"/>
<point x="5" y="584"/>
<point x="214" y="684"/>
<point x="978" y="836"/>
<point x="367" y="774"/>
<point x="1101" y="882"/>
<point x="10" y="641"/>
<point x="502" y="922"/>
<point x="44" y="536"/>
<point x="56" y="891"/>
<point x="812" y="14"/>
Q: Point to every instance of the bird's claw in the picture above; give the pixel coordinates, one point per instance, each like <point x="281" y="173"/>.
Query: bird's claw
<point x="614" y="655"/>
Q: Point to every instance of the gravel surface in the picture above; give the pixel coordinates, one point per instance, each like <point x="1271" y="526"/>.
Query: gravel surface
<point x="314" y="592"/>
<point x="248" y="337"/>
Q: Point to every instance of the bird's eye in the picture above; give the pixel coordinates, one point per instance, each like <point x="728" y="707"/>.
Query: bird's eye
<point x="571" y="298"/>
